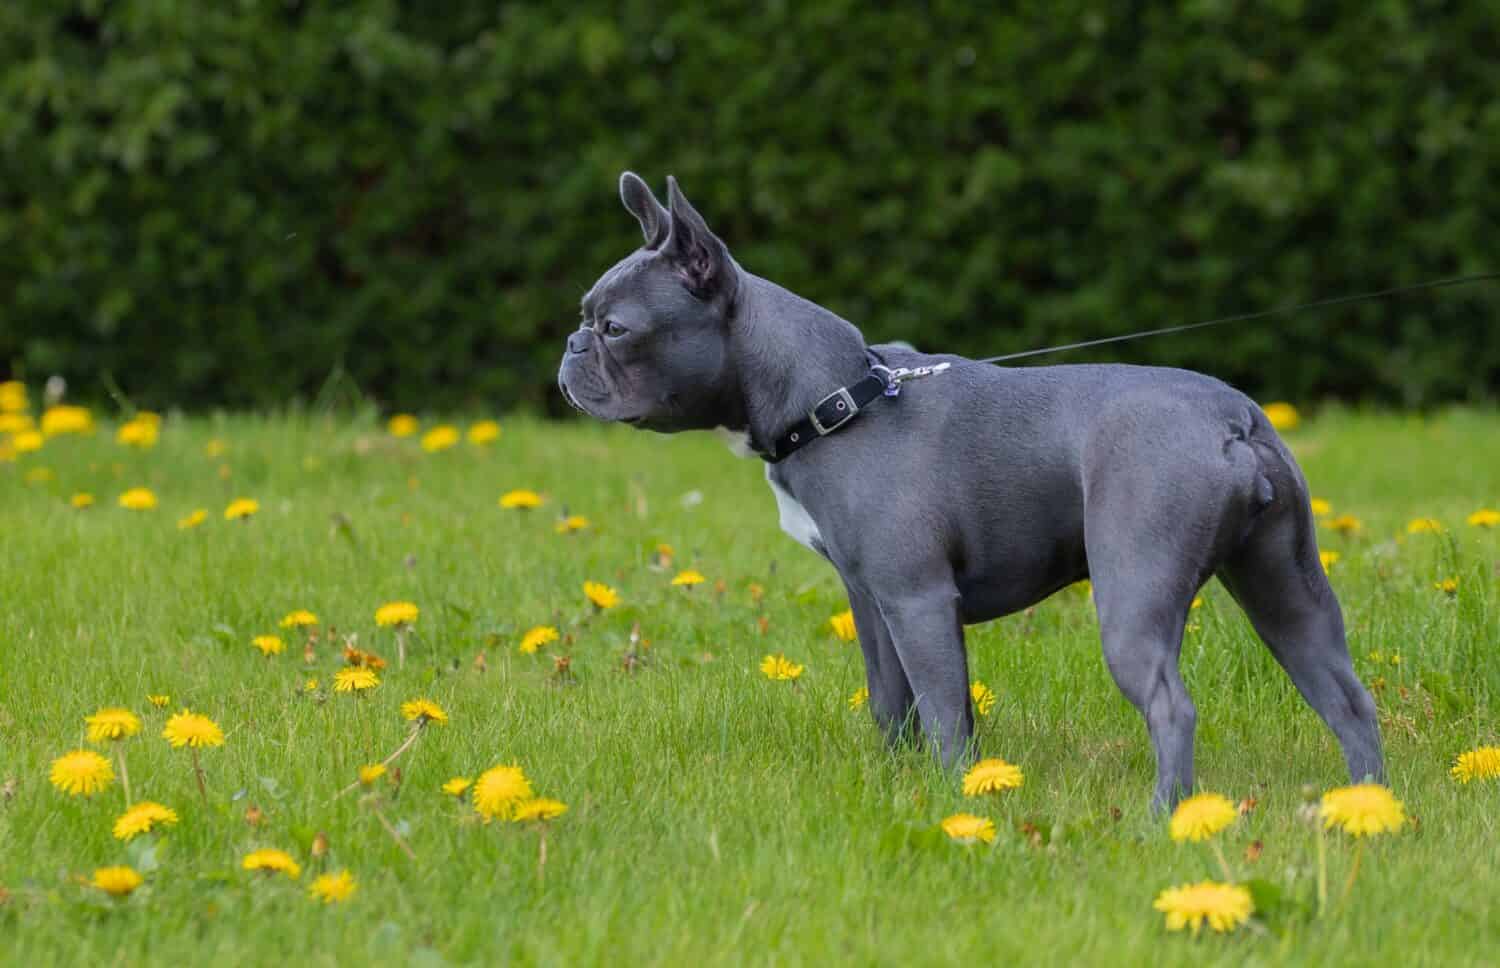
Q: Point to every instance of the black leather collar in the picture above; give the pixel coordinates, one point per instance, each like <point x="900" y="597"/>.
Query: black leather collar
<point x="832" y="412"/>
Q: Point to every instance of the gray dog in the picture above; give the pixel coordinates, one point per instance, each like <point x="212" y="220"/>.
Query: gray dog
<point x="976" y="491"/>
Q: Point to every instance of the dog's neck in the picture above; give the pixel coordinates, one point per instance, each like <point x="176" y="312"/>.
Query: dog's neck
<point x="801" y="352"/>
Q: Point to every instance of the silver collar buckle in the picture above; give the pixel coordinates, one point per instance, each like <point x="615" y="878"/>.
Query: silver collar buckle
<point x="844" y="405"/>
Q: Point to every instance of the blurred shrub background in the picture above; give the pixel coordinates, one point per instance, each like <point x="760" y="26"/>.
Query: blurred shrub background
<point x="228" y="202"/>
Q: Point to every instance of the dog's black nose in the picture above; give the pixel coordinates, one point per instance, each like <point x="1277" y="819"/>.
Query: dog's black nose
<point x="578" y="342"/>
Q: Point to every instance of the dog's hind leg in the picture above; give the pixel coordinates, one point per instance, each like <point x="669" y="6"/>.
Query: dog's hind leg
<point x="1278" y="580"/>
<point x="1141" y="631"/>
<point x="1153" y="530"/>
<point x="891" y="701"/>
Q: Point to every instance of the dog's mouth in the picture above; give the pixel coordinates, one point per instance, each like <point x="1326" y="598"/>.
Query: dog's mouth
<point x="576" y="404"/>
<point x="572" y="400"/>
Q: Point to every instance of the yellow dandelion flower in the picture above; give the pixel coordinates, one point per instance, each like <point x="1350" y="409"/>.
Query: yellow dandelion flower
<point x="439" y="438"/>
<point x="1345" y="524"/>
<point x="992" y="775"/>
<point x="983" y="697"/>
<point x="160" y="700"/>
<point x="571" y="523"/>
<point x="538" y="808"/>
<point x="1424" y="526"/>
<point x="424" y="711"/>
<point x="396" y="613"/>
<point x="192" y="729"/>
<point x="1200" y="817"/>
<point x="117" y="881"/>
<point x="483" y="432"/>
<point x="520" y="500"/>
<point x="15" y="423"/>
<point x="1283" y="416"/>
<point x="241" y="508"/>
<point x="138" y="499"/>
<point x="81" y="773"/>
<point x="215" y="448"/>
<point x="1224" y="906"/>
<point x="688" y="578"/>
<point x="369" y="773"/>
<point x="333" y="888"/>
<point x="1477" y="764"/>
<point x="13" y="396"/>
<point x="403" y="425"/>
<point x="1484" y="518"/>
<point x="67" y="420"/>
<point x="498" y="790"/>
<point x="601" y="595"/>
<point x="537" y="637"/>
<point x="457" y="786"/>
<point x="355" y="679"/>
<point x="28" y="442"/>
<point x="842" y="625"/>
<point x="1362" y="810"/>
<point x="272" y="861"/>
<point x="969" y="829"/>
<point x="112" y="722"/>
<point x="301" y="618"/>
<point x="268" y="644"/>
<point x="1328" y="559"/>
<point x="1448" y="586"/>
<point x="82" y="500"/>
<point x="142" y="818"/>
<point x="1320" y="507"/>
<point x="138" y="433"/>
<point x="859" y="697"/>
<point x="192" y="520"/>
<point x="779" y="668"/>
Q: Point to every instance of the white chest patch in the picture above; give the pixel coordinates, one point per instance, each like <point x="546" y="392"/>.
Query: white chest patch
<point x="738" y="441"/>
<point x="795" y="520"/>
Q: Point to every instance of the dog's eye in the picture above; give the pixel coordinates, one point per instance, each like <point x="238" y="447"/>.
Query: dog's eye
<point x="612" y="328"/>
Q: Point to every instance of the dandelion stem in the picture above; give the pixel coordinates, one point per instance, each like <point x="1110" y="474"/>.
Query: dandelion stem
<point x="392" y="831"/>
<point x="1223" y="863"/>
<point x="1322" y="871"/>
<point x="124" y="775"/>
<point x="415" y="732"/>
<point x="198" y="773"/>
<point x="401" y="647"/>
<point x="412" y="738"/>
<point x="1359" y="850"/>
<point x="541" y="855"/>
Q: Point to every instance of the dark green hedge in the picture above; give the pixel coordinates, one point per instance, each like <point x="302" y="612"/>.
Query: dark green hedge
<point x="226" y="202"/>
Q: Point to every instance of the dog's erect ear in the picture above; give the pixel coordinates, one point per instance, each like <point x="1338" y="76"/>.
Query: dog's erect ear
<point x="698" y="254"/>
<point x="655" y="221"/>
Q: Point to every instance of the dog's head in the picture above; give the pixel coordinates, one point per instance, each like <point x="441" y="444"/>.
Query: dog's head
<point x="653" y="350"/>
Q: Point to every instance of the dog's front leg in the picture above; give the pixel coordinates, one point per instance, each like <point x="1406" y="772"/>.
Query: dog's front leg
<point x="928" y="636"/>
<point x="890" y="692"/>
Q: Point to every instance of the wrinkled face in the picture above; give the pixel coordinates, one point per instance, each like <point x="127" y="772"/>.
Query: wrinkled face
<point x="653" y="348"/>
<point x="648" y="353"/>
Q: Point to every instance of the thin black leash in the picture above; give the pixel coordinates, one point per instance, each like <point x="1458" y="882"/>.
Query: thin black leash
<point x="845" y="403"/>
<point x="1244" y="317"/>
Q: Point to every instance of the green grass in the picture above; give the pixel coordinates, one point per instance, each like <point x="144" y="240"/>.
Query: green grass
<point x="715" y="816"/>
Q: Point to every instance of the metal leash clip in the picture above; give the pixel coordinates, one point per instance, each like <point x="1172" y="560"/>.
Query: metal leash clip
<point x="902" y="374"/>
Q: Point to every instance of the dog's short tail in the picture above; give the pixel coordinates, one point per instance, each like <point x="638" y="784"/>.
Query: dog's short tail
<point x="1244" y="442"/>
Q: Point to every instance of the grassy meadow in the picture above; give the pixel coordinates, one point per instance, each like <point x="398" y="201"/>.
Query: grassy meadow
<point x="714" y="815"/>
